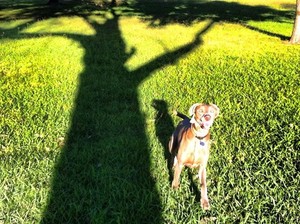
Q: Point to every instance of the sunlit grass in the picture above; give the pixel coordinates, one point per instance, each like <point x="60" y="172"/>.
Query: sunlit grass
<point x="281" y="4"/>
<point x="253" y="76"/>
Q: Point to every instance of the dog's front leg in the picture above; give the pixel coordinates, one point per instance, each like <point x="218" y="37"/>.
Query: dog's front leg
<point x="177" y="170"/>
<point x="204" y="198"/>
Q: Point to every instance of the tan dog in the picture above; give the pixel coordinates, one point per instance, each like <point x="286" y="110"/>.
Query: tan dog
<point x="190" y="144"/>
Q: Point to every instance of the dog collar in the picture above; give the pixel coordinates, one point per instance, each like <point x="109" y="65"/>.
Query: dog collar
<point x="200" y="138"/>
<point x="197" y="134"/>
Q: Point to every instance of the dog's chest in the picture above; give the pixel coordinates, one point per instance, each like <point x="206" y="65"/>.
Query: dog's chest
<point x="196" y="153"/>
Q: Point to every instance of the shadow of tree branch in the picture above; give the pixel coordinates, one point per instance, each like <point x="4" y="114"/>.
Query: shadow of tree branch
<point x="219" y="11"/>
<point x="280" y="36"/>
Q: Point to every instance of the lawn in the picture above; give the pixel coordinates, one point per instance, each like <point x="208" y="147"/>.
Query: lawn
<point x="86" y="101"/>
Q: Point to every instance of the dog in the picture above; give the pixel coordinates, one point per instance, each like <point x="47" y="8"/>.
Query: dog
<point x="190" y="143"/>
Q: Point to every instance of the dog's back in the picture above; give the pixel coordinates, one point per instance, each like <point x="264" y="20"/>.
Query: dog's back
<point x="178" y="133"/>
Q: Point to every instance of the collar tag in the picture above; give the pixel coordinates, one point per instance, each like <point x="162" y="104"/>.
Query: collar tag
<point x="202" y="143"/>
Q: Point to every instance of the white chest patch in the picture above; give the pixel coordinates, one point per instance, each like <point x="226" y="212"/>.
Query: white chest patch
<point x="200" y="145"/>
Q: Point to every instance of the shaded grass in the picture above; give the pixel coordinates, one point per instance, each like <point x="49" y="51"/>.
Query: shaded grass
<point x="253" y="77"/>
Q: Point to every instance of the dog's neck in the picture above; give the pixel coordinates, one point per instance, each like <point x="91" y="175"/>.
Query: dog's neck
<point x="203" y="133"/>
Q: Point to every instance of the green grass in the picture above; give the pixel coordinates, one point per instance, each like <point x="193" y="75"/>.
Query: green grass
<point x="86" y="112"/>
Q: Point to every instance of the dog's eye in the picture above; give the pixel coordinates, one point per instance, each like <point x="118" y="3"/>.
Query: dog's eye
<point x="212" y="111"/>
<point x="200" y="111"/>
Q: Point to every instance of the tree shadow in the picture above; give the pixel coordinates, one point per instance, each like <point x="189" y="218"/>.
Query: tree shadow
<point x="161" y="13"/>
<point x="219" y="11"/>
<point x="280" y="36"/>
<point x="39" y="11"/>
<point x="103" y="174"/>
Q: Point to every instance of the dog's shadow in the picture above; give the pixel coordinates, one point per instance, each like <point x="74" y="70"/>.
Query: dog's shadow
<point x="194" y="186"/>
<point x="164" y="127"/>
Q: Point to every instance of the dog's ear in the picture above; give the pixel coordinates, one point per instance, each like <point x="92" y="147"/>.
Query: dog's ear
<point x="192" y="109"/>
<point x="193" y="120"/>
<point x="217" y="109"/>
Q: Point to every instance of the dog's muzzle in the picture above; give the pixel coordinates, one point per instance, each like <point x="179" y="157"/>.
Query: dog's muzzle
<point x="206" y="121"/>
<point x="206" y="117"/>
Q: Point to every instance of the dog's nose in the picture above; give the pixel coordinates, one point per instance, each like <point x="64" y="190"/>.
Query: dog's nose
<point x="207" y="117"/>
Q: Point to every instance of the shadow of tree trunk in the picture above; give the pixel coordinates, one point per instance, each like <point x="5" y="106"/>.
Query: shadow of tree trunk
<point x="103" y="173"/>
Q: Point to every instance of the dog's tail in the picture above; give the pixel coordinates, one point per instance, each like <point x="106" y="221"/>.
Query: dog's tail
<point x="183" y="116"/>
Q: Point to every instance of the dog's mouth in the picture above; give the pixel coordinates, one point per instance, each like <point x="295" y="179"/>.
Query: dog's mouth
<point x="206" y="121"/>
<point x="205" y="125"/>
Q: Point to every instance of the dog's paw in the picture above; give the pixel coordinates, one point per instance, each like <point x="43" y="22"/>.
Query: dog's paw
<point x="205" y="204"/>
<point x="175" y="185"/>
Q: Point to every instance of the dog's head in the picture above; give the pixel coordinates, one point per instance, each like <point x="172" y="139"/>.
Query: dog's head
<point x="203" y="115"/>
